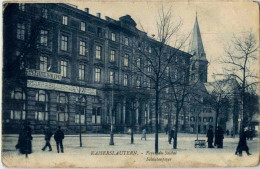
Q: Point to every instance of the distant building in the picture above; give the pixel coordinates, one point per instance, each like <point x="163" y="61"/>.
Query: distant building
<point x="64" y="66"/>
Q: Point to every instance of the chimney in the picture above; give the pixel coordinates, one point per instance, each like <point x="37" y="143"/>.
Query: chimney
<point x="99" y="15"/>
<point x="87" y="10"/>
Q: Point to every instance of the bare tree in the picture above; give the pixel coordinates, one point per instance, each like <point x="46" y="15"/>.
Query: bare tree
<point x="81" y="109"/>
<point x="239" y="54"/>
<point x="156" y="57"/>
<point x="218" y="96"/>
<point x="136" y="99"/>
<point x="16" y="62"/>
<point x="15" y="67"/>
<point x="178" y="87"/>
<point x="251" y="106"/>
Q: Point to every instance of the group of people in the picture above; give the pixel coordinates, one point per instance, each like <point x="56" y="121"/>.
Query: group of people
<point x="58" y="137"/>
<point x="170" y="136"/>
<point x="25" y="139"/>
<point x="219" y="136"/>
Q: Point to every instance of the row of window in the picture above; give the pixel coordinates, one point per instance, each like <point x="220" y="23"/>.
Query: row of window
<point x="83" y="26"/>
<point x="82" y="73"/>
<point x="99" y="30"/>
<point x="44" y="14"/>
<point x="18" y="111"/>
<point x="82" y="70"/>
<point x="83" y="50"/>
<point x="205" y="119"/>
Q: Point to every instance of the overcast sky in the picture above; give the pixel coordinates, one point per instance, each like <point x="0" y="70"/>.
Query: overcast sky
<point x="218" y="21"/>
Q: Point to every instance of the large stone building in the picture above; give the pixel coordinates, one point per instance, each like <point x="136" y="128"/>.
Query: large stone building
<point x="64" y="66"/>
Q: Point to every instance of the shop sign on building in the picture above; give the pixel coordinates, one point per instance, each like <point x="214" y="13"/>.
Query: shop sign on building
<point x="41" y="74"/>
<point x="60" y="87"/>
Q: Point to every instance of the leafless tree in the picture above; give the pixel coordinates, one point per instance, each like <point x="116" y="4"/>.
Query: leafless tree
<point x="240" y="54"/>
<point x="219" y="95"/>
<point x="80" y="108"/>
<point x="155" y="56"/>
<point x="136" y="98"/>
<point x="16" y="64"/>
<point x="179" y="88"/>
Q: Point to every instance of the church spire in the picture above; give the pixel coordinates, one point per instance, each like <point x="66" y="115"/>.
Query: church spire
<point x="199" y="63"/>
<point x="196" y="46"/>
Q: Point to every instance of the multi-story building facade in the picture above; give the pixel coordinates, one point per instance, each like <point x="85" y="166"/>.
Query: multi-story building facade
<point x="64" y="66"/>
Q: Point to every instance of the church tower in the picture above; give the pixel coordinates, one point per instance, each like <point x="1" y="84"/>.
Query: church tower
<point x="199" y="62"/>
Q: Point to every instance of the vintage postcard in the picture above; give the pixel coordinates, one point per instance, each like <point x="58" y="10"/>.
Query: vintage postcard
<point x="130" y="84"/>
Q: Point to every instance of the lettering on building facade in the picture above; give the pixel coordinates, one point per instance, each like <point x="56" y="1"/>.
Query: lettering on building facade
<point x="41" y="74"/>
<point x="60" y="87"/>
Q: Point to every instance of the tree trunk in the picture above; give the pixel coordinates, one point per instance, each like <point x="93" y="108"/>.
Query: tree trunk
<point x="184" y="121"/>
<point x="132" y="135"/>
<point x="169" y="121"/>
<point x="176" y="129"/>
<point x="216" y="124"/>
<point x="156" y="118"/>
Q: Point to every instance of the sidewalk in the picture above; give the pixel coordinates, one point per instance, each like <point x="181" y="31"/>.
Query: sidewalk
<point x="76" y="156"/>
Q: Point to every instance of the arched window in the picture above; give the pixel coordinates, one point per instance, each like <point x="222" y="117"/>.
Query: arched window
<point x="42" y="106"/>
<point x="18" y="109"/>
<point x="62" y="107"/>
<point x="81" y="110"/>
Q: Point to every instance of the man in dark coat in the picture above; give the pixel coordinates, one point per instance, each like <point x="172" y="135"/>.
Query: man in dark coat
<point x="58" y="137"/>
<point x="47" y="135"/>
<point x="171" y="136"/>
<point x="227" y="132"/>
<point x="24" y="142"/>
<point x="247" y="133"/>
<point x="166" y="129"/>
<point x="219" y="137"/>
<point x="210" y="136"/>
<point x="242" y="145"/>
<point x="232" y="133"/>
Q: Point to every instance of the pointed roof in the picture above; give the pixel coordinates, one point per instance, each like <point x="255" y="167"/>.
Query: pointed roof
<point x="196" y="45"/>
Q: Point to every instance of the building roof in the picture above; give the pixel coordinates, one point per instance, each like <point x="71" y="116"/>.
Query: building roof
<point x="225" y="86"/>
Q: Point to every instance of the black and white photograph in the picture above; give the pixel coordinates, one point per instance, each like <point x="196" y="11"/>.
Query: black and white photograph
<point x="130" y="84"/>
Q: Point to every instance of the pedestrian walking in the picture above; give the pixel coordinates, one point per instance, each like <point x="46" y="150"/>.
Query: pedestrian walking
<point x="227" y="132"/>
<point x="251" y="134"/>
<point x="219" y="136"/>
<point x="242" y="144"/>
<point x="247" y="133"/>
<point x="58" y="137"/>
<point x="47" y="137"/>
<point x="171" y="135"/>
<point x="232" y="133"/>
<point x="24" y="141"/>
<point x="143" y="134"/>
<point x="166" y="129"/>
<point x="210" y="136"/>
